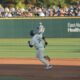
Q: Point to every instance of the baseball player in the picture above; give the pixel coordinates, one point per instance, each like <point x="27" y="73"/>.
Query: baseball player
<point x="41" y="30"/>
<point x="38" y="43"/>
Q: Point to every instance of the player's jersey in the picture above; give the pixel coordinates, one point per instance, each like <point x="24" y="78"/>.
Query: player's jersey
<point x="37" y="41"/>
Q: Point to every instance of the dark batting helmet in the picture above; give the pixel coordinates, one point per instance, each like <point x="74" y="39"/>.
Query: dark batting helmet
<point x="32" y="33"/>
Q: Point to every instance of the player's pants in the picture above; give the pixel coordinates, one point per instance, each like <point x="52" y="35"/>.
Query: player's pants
<point x="40" y="56"/>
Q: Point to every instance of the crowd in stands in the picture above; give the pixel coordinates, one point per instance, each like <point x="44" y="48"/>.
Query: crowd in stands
<point x="72" y="10"/>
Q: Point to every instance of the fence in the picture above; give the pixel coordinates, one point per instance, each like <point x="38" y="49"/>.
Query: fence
<point x="55" y="27"/>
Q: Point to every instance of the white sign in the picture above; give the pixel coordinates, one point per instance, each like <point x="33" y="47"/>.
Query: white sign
<point x="73" y="27"/>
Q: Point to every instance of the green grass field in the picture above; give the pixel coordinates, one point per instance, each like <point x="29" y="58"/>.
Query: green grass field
<point x="57" y="48"/>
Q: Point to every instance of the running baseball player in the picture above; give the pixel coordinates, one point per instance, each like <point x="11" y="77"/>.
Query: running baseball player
<point x="38" y="43"/>
<point x="41" y="30"/>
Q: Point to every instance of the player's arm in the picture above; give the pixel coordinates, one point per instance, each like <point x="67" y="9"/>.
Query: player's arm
<point x="41" y="28"/>
<point x="30" y="45"/>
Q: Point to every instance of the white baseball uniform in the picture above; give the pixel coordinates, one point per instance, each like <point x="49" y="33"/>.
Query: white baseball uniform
<point x="38" y="43"/>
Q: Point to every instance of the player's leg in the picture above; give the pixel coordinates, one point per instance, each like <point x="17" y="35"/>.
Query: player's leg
<point x="47" y="58"/>
<point x="40" y="56"/>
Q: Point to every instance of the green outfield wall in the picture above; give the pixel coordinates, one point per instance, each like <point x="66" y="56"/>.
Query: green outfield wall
<point x="55" y="27"/>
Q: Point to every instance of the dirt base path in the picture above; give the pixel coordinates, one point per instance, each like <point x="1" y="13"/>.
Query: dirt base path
<point x="32" y="69"/>
<point x="75" y="62"/>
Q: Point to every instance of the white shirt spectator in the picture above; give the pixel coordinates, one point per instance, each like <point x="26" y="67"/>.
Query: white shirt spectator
<point x="41" y="14"/>
<point x="12" y="9"/>
<point x="7" y="9"/>
<point x="9" y="14"/>
<point x="22" y="10"/>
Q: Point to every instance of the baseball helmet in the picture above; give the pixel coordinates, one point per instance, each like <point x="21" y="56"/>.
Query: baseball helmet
<point x="32" y="33"/>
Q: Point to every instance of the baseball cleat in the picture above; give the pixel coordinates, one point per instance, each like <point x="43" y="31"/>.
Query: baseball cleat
<point x="49" y="67"/>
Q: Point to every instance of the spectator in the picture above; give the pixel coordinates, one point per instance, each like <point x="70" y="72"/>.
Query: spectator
<point x="72" y="10"/>
<point x="40" y="12"/>
<point x="13" y="11"/>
